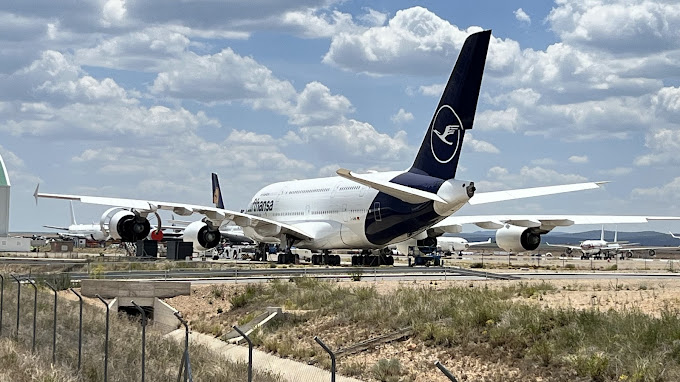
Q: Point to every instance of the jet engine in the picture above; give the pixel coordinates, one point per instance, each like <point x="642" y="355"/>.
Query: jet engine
<point x="128" y="226"/>
<point x="517" y="239"/>
<point x="202" y="236"/>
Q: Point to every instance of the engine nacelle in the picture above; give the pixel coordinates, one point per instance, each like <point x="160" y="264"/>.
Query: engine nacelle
<point x="202" y="236"/>
<point x="128" y="226"/>
<point x="517" y="239"/>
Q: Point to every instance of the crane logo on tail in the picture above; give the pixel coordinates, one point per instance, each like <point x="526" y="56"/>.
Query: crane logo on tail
<point x="445" y="134"/>
<point x="216" y="195"/>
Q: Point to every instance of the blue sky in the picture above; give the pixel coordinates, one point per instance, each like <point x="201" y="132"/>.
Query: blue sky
<point x="146" y="99"/>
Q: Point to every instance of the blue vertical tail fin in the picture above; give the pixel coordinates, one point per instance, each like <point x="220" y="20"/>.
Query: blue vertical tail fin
<point x="439" y="153"/>
<point x="216" y="192"/>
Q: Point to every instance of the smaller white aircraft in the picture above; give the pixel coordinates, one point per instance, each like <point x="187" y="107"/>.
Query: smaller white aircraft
<point x="447" y="244"/>
<point x="452" y="244"/>
<point x="602" y="248"/>
<point x="81" y="231"/>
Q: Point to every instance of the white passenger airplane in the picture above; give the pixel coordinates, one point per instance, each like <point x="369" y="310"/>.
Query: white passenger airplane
<point x="519" y="233"/>
<point x="352" y="211"/>
<point x="81" y="231"/>
<point x="447" y="244"/>
<point x="602" y="248"/>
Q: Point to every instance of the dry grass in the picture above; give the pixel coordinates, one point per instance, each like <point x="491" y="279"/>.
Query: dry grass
<point x="504" y="328"/>
<point x="162" y="355"/>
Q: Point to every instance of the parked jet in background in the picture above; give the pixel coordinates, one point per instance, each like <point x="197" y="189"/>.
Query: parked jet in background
<point x="603" y="248"/>
<point x="81" y="231"/>
<point x="519" y="233"/>
<point x="353" y="211"/>
<point x="447" y="244"/>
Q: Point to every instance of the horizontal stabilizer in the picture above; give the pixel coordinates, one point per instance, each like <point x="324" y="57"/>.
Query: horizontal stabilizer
<point x="405" y="193"/>
<point x="499" y="196"/>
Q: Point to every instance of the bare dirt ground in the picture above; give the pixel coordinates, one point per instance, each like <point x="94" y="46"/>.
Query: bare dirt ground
<point x="416" y="359"/>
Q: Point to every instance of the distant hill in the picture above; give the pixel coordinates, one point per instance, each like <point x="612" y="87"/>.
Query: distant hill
<point x="644" y="238"/>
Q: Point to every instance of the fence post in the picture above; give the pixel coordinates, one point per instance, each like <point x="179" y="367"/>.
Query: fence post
<point x="323" y="345"/>
<point x="80" y="326"/>
<point x="446" y="372"/>
<point x="186" y="364"/>
<point x="250" y="353"/>
<point x="18" y="304"/>
<point x="106" y="339"/>
<point x="2" y="299"/>
<point x="35" y="311"/>
<point x="54" y="327"/>
<point x="139" y="308"/>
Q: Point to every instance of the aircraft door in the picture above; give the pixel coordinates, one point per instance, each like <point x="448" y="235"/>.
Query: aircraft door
<point x="345" y="214"/>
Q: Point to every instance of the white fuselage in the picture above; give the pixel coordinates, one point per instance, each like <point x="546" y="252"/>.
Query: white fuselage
<point x="593" y="247"/>
<point x="86" y="231"/>
<point x="445" y="244"/>
<point x="452" y="244"/>
<point x="333" y="211"/>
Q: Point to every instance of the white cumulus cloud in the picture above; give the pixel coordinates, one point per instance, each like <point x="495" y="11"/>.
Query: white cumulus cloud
<point x="522" y="16"/>
<point x="402" y="116"/>
<point x="580" y="159"/>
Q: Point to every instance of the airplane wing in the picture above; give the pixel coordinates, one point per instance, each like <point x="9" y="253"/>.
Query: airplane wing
<point x="545" y="222"/>
<point x="626" y="249"/>
<point x="55" y="227"/>
<point x="572" y="247"/>
<point x="674" y="236"/>
<point x="472" y="244"/>
<point x="217" y="215"/>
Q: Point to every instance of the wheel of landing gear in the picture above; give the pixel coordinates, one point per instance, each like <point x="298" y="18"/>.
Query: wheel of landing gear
<point x="390" y="260"/>
<point x="337" y="260"/>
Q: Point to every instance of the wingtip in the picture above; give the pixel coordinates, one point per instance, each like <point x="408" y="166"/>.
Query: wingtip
<point x="343" y="172"/>
<point x="35" y="194"/>
<point x="602" y="182"/>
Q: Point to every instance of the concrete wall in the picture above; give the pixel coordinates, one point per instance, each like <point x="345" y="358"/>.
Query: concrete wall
<point x="126" y="290"/>
<point x="164" y="317"/>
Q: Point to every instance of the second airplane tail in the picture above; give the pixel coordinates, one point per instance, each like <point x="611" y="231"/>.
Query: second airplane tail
<point x="439" y="153"/>
<point x="216" y="192"/>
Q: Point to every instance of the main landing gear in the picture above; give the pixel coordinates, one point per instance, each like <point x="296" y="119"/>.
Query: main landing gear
<point x="368" y="259"/>
<point x="325" y="258"/>
<point x="287" y="256"/>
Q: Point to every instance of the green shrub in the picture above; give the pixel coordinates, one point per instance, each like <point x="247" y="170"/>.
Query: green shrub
<point x="387" y="370"/>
